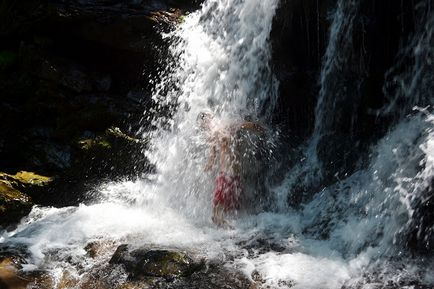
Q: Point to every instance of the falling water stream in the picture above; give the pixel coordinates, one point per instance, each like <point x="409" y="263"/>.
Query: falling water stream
<point x="352" y="234"/>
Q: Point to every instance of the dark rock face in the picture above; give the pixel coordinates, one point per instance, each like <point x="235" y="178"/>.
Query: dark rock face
<point x="354" y="91"/>
<point x="299" y="37"/>
<point x="69" y="71"/>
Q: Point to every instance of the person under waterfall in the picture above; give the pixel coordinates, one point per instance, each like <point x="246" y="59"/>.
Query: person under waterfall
<point x="222" y="141"/>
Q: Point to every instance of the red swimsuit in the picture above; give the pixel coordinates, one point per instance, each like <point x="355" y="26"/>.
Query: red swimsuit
<point x="227" y="191"/>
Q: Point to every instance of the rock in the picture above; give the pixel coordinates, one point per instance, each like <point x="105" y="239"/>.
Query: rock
<point x="99" y="248"/>
<point x="67" y="281"/>
<point x="69" y="70"/>
<point x="9" y="277"/>
<point x="113" y="153"/>
<point x="174" y="269"/>
<point x="142" y="263"/>
<point x="31" y="179"/>
<point x="14" y="204"/>
<point x="214" y="275"/>
<point x="25" y="180"/>
<point x="116" y="25"/>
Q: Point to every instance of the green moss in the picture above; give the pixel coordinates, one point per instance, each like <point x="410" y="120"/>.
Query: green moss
<point x="98" y="143"/>
<point x="111" y="137"/>
<point x="13" y="204"/>
<point x="31" y="178"/>
<point x="117" y="133"/>
<point x="8" y="193"/>
<point x="164" y="263"/>
<point x="25" y="179"/>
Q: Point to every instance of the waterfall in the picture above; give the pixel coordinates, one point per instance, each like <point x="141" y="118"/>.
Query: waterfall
<point x="219" y="64"/>
<point x="338" y="78"/>
<point x="368" y="227"/>
<point x="221" y="60"/>
<point x="379" y="216"/>
<point x="405" y="87"/>
<point x="336" y="104"/>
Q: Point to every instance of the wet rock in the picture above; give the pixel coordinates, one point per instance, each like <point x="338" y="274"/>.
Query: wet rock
<point x="214" y="275"/>
<point x="174" y="269"/>
<point x="67" y="281"/>
<point x="98" y="248"/>
<point x="26" y="179"/>
<point x="15" y="201"/>
<point x="9" y="277"/>
<point x="142" y="263"/>
<point x="116" y="25"/>
<point x="69" y="70"/>
<point x="13" y="204"/>
<point x="113" y="154"/>
<point x="297" y="67"/>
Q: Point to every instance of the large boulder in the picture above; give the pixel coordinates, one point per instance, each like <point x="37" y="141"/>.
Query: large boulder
<point x="144" y="262"/>
<point x="171" y="268"/>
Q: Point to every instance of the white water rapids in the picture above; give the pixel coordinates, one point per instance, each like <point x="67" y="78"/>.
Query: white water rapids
<point x="350" y="230"/>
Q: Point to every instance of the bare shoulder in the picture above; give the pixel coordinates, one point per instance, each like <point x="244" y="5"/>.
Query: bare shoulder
<point x="253" y="126"/>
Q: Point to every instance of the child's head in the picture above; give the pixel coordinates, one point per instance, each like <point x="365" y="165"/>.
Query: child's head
<point x="204" y="120"/>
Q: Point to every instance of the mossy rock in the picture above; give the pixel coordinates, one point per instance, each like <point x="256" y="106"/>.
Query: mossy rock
<point x="13" y="204"/>
<point x="162" y="263"/>
<point x="97" y="143"/>
<point x="113" y="137"/>
<point x="111" y="155"/>
<point x="30" y="178"/>
<point x="24" y="179"/>
<point x="15" y="201"/>
<point x="145" y="263"/>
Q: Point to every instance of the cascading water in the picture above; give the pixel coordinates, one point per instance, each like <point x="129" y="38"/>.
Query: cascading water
<point x="224" y="69"/>
<point x="379" y="216"/>
<point x="363" y="231"/>
<point x="339" y="82"/>
<point x="220" y="64"/>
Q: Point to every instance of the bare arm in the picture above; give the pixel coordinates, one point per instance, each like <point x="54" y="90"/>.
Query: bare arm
<point x="211" y="159"/>
<point x="248" y="125"/>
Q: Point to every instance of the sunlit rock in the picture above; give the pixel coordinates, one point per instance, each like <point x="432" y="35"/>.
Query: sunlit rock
<point x="141" y="263"/>
<point x="15" y="201"/>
